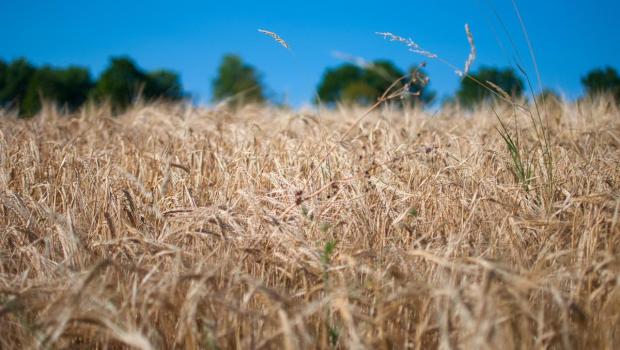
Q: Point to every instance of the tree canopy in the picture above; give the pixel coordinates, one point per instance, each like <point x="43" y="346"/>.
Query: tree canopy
<point x="602" y="81"/>
<point x="123" y="81"/>
<point x="68" y="87"/>
<point x="23" y="86"/>
<point x="164" y="84"/>
<point x="15" y="79"/>
<point x="349" y="83"/>
<point x="471" y="92"/>
<point x="237" y="82"/>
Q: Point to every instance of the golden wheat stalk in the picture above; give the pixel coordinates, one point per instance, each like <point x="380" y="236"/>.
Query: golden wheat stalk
<point x="275" y="36"/>
<point x="97" y="251"/>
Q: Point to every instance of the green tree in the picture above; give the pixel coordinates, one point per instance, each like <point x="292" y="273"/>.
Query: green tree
<point x="123" y="82"/>
<point x="3" y="71"/>
<point x="120" y="83"/>
<point x="358" y="92"/>
<point x="68" y="87"/>
<point x="602" y="81"/>
<point x="471" y="92"/>
<point x="349" y="83"/>
<point x="14" y="78"/>
<point x="75" y="83"/>
<point x="164" y="84"/>
<point x="238" y="82"/>
<point x="335" y="81"/>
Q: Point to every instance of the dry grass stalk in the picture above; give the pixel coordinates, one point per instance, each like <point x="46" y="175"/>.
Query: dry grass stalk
<point x="356" y="60"/>
<point x="413" y="47"/>
<point x="505" y="95"/>
<point x="472" y="52"/>
<point x="275" y="36"/>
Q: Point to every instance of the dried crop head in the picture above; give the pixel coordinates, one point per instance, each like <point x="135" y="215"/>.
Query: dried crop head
<point x="275" y="36"/>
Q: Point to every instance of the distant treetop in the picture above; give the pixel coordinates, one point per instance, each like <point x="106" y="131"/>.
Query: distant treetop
<point x="123" y="81"/>
<point x="14" y="82"/>
<point x="477" y="89"/>
<point x="68" y="87"/>
<point x="237" y="82"/>
<point x="24" y="87"/>
<point x="602" y="81"/>
<point x="349" y="83"/>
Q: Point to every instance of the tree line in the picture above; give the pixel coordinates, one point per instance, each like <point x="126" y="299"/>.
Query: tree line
<point x="25" y="87"/>
<point x="364" y="83"/>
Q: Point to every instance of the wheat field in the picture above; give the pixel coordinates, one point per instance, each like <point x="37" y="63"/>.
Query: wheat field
<point x="173" y="226"/>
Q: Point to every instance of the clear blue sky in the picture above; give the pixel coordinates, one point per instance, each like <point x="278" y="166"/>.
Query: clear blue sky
<point x="190" y="37"/>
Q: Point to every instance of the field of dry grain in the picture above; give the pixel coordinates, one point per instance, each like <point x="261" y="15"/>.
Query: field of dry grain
<point x="181" y="227"/>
